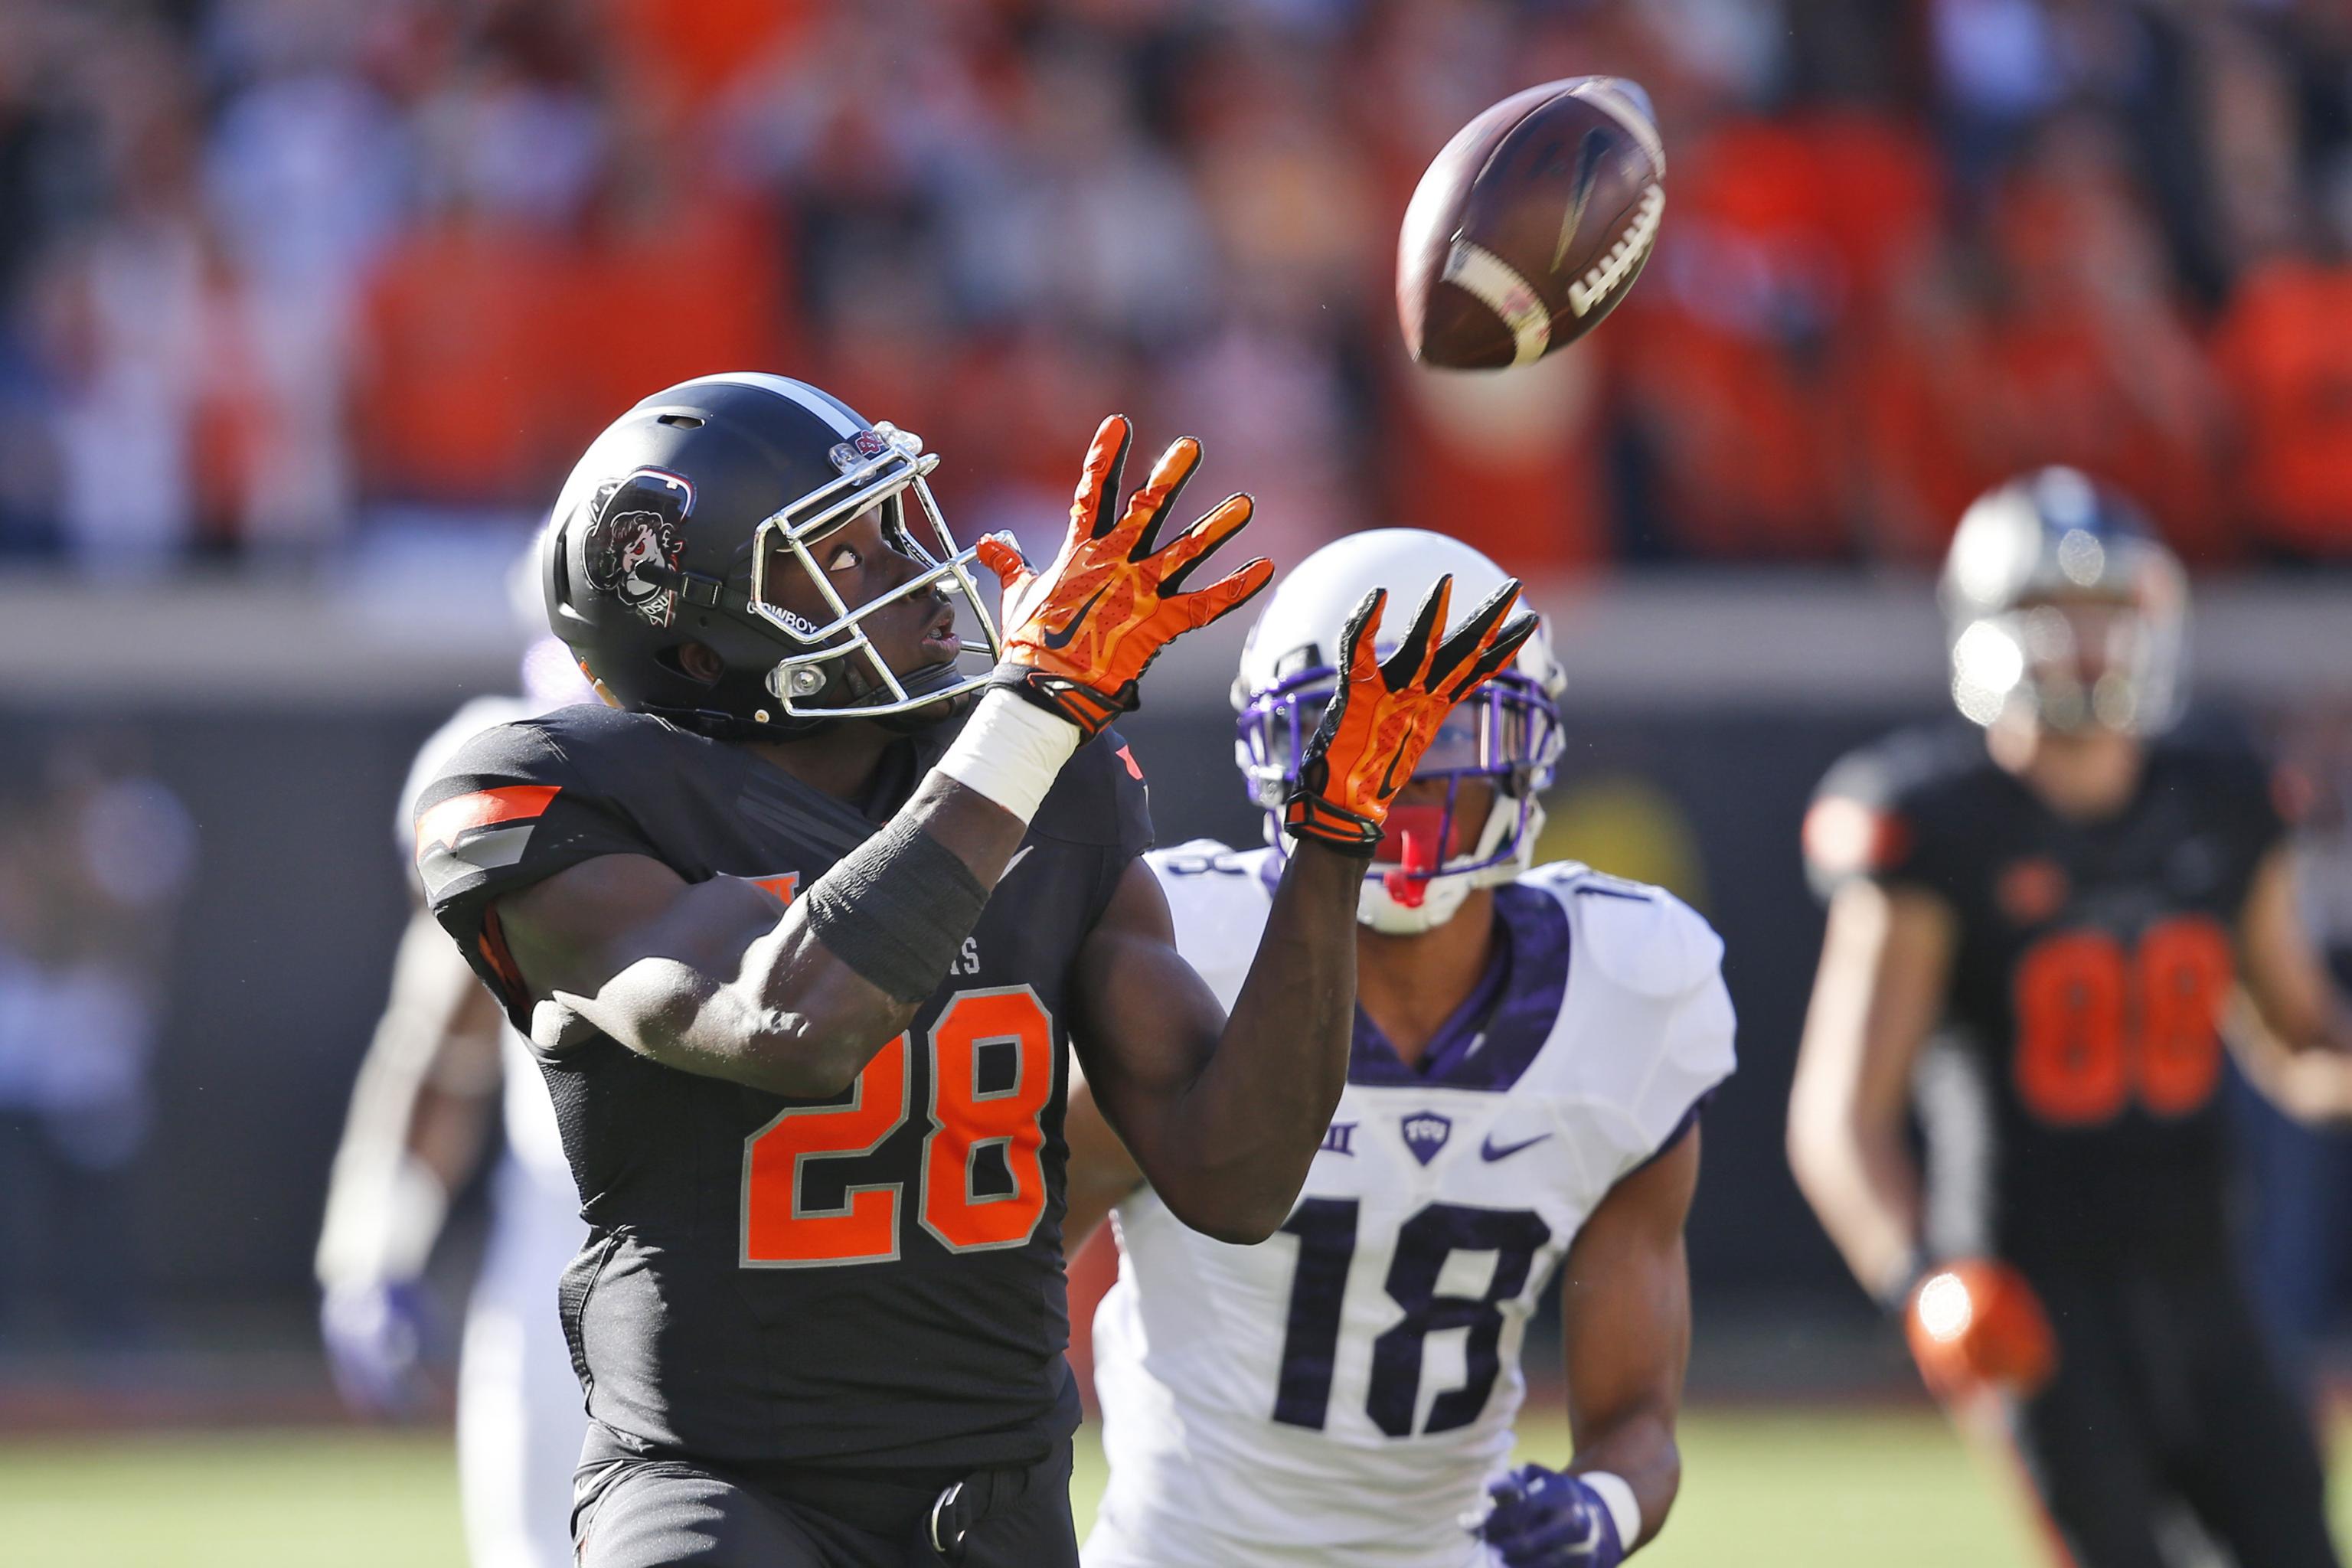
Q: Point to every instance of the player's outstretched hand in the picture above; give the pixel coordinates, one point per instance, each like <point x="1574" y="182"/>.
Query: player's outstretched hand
<point x="1977" y="1325"/>
<point x="1079" y="633"/>
<point x="376" y="1337"/>
<point x="1542" y="1518"/>
<point x="1386" y="712"/>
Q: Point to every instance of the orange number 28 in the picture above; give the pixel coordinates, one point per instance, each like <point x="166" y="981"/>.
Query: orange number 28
<point x="970" y="1112"/>
<point x="2095" y="1026"/>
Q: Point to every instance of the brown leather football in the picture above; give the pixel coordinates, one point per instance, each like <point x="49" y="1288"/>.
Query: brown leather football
<point x="1531" y="225"/>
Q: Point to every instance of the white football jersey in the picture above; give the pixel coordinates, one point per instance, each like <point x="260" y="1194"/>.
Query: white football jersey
<point x="1343" y="1392"/>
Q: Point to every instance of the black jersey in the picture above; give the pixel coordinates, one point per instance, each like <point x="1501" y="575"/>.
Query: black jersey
<point x="869" y="1282"/>
<point x="2070" y="1100"/>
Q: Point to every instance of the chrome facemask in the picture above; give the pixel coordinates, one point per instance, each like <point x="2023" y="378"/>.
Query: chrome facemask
<point x="881" y="467"/>
<point x="1506" y="733"/>
<point x="2076" y="659"/>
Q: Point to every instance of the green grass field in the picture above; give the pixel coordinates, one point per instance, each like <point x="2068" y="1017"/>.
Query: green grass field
<point x="1812" y="1490"/>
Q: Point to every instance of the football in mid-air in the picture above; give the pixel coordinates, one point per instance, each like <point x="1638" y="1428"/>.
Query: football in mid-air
<point x="1531" y="225"/>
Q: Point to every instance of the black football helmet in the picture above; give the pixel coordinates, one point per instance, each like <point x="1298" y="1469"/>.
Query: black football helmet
<point x="674" y="525"/>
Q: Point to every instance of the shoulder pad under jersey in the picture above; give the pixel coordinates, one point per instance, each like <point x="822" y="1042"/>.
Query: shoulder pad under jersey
<point x="2227" y="760"/>
<point x="1218" y="901"/>
<point x="1640" y="936"/>
<point x="1646" y="992"/>
<point x="1900" y="809"/>
<point x="478" y="714"/>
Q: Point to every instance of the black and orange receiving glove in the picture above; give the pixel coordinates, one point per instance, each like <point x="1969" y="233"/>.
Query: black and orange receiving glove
<point x="1977" y="1325"/>
<point x="1386" y="712"/>
<point x="1079" y="634"/>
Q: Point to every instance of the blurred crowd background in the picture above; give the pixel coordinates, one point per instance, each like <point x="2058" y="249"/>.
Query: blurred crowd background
<point x="306" y="306"/>
<point x="279" y="279"/>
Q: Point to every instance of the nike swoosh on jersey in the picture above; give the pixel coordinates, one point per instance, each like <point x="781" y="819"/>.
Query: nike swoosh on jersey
<point x="1018" y="855"/>
<point x="1488" y="1152"/>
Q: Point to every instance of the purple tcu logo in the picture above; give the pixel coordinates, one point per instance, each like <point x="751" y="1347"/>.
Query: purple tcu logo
<point x="635" y="540"/>
<point x="1426" y="1132"/>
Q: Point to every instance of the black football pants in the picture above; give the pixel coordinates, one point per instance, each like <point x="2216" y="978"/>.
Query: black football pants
<point x="631" y="1512"/>
<point x="2165" y="1398"/>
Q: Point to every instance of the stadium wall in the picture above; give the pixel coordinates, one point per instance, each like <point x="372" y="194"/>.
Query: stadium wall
<point x="1699" y="717"/>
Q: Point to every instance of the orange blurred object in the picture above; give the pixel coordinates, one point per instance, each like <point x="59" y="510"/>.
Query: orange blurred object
<point x="686" y="288"/>
<point x="1514" y="466"/>
<point x="462" y="360"/>
<point x="2284" y="349"/>
<point x="492" y="350"/>
<point x="693" y="52"/>
<point x="1977" y="1326"/>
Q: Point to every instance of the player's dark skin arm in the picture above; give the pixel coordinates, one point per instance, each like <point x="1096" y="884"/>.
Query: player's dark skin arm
<point x="704" y="977"/>
<point x="1101" y="1172"/>
<point x="1222" y="1115"/>
<point x="1625" y="1317"/>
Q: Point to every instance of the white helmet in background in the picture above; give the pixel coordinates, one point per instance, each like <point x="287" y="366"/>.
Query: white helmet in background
<point x="1506" y="733"/>
<point x="2061" y="601"/>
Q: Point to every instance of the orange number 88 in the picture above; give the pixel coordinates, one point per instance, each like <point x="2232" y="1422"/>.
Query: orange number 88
<point x="2094" y="1026"/>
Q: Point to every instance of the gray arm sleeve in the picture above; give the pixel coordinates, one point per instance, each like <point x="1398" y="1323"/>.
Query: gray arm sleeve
<point x="897" y="910"/>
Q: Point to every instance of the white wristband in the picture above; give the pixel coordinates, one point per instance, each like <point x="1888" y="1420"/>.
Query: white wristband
<point x="1011" y="751"/>
<point x="1618" y="1496"/>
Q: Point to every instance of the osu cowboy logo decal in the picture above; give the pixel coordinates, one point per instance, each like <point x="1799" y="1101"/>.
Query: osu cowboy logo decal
<point x="634" y="541"/>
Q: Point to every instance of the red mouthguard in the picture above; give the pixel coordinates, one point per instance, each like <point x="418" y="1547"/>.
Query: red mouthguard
<point x="1416" y="837"/>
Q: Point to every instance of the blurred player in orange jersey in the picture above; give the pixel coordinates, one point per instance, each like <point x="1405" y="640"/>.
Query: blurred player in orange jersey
<point x="2037" y="929"/>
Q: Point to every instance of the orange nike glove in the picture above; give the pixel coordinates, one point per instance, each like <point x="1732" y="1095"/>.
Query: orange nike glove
<point x="1385" y="713"/>
<point x="1976" y="1324"/>
<point x="1079" y="634"/>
